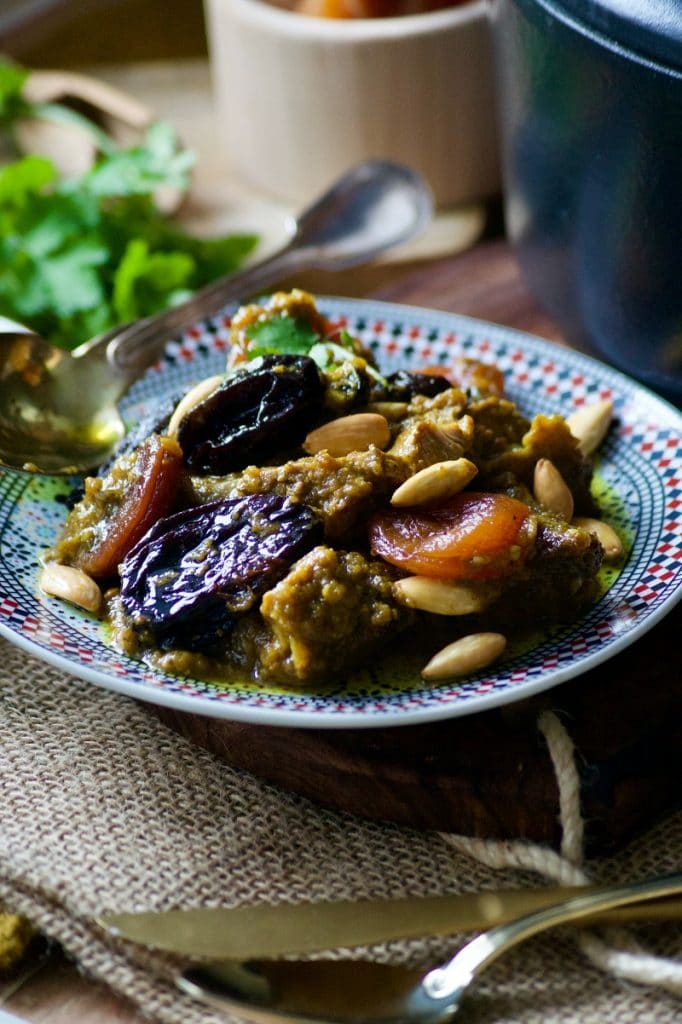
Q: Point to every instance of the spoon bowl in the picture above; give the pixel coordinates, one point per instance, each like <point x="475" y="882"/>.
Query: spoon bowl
<point x="58" y="410"/>
<point x="318" y="991"/>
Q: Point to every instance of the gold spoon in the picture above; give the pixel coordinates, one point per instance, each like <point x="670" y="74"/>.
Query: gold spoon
<point x="354" y="991"/>
<point x="58" y="410"/>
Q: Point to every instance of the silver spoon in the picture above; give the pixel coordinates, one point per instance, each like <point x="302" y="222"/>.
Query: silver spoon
<point x="355" y="991"/>
<point x="58" y="409"/>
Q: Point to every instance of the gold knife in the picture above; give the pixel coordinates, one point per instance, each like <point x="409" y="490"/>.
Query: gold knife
<point x="266" y="931"/>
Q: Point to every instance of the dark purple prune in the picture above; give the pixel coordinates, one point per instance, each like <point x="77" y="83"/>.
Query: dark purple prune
<point x="404" y="385"/>
<point x="195" y="572"/>
<point x="257" y="412"/>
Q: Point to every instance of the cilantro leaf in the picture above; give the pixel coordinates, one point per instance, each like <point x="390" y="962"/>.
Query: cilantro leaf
<point x="143" y="280"/>
<point x="79" y="256"/>
<point x="346" y="340"/>
<point x="12" y="80"/>
<point x="60" y="114"/>
<point x="279" y="335"/>
<point x="71" y="279"/>
<point x="24" y="178"/>
<point x="54" y="221"/>
<point x="139" y="170"/>
<point x="215" y="256"/>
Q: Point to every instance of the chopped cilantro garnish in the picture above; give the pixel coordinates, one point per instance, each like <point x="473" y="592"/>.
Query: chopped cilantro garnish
<point x="279" y="335"/>
<point x="346" y="340"/>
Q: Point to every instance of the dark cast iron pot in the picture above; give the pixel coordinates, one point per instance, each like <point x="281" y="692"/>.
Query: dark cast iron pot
<point x="590" y="109"/>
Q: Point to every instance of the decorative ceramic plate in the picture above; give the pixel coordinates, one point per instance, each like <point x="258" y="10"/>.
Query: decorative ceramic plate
<point x="640" y="479"/>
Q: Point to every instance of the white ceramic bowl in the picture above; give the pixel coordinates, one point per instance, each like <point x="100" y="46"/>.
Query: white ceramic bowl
<point x="300" y="99"/>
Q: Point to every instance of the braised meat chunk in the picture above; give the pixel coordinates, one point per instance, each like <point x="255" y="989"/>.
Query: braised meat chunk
<point x="558" y="578"/>
<point x="341" y="491"/>
<point x="333" y="608"/>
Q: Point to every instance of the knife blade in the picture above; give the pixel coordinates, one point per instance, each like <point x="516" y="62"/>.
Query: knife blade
<point x="270" y="930"/>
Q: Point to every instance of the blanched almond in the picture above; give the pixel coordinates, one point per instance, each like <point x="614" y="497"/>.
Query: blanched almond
<point x="194" y="397"/>
<point x="466" y="655"/>
<point x="605" y="534"/>
<point x="391" y="410"/>
<point x="440" y="597"/>
<point x="355" y="433"/>
<point x="590" y="423"/>
<point x="71" y="585"/>
<point x="434" y="483"/>
<point x="551" y="490"/>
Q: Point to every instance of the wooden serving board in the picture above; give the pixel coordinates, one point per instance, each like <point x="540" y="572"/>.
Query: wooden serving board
<point x="489" y="774"/>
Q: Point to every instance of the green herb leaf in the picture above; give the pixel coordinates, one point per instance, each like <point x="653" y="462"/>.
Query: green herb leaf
<point x="282" y="334"/>
<point x="12" y="79"/>
<point x="215" y="256"/>
<point x="144" y="280"/>
<point x="25" y="177"/>
<point x="142" y="169"/>
<point x="79" y="256"/>
<point x="60" y="114"/>
<point x="346" y="340"/>
<point x="70" y="279"/>
<point x="55" y="221"/>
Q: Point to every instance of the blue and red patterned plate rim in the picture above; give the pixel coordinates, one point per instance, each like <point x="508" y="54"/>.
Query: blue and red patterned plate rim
<point x="640" y="466"/>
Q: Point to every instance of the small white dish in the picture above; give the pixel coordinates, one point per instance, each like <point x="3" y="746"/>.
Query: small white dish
<point x="640" y="467"/>
<point x="300" y="99"/>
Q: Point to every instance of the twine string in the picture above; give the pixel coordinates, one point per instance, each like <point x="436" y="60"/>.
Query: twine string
<point x="618" y="953"/>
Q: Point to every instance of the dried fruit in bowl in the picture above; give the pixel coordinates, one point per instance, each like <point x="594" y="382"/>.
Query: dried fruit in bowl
<point x="474" y="536"/>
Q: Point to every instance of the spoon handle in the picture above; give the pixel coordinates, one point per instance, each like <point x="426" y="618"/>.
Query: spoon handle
<point x="373" y="207"/>
<point x="140" y="344"/>
<point x="453" y="978"/>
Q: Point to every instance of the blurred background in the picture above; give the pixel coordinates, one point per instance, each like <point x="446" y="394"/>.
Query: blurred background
<point x="42" y="33"/>
<point x="156" y="51"/>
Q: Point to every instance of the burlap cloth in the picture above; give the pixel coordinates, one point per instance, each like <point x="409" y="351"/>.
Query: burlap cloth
<point x="105" y="809"/>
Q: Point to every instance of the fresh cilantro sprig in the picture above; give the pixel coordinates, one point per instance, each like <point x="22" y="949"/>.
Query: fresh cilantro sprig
<point x="79" y="256"/>
<point x="279" y="335"/>
<point x="283" y="334"/>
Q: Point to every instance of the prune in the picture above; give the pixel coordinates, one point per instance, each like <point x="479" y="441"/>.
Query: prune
<point x="254" y="414"/>
<point x="193" y="573"/>
<point x="404" y="385"/>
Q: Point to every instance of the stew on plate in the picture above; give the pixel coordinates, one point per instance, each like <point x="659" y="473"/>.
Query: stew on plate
<point x="303" y="512"/>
